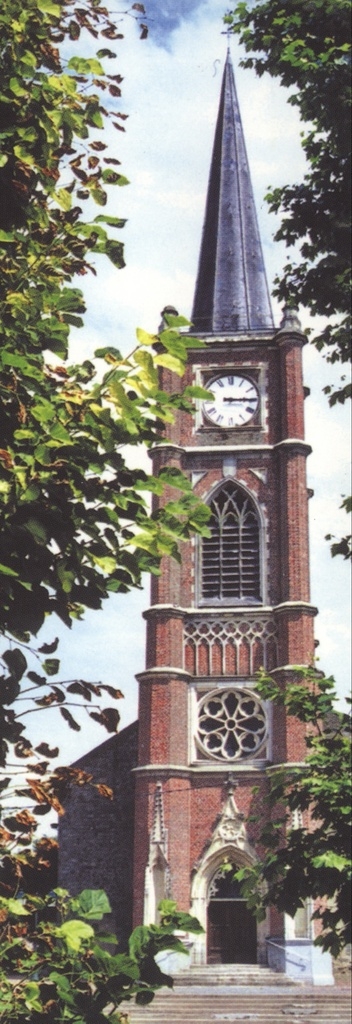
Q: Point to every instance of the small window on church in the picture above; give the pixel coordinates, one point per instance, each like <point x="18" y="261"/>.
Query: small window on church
<point x="230" y="569"/>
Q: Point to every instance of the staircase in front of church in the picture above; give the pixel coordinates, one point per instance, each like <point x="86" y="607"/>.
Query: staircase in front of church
<point x="221" y="993"/>
<point x="230" y="975"/>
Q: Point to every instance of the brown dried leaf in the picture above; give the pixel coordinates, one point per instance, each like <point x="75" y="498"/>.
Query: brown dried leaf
<point x="6" y="458"/>
<point x="104" y="790"/>
<point x="25" y="818"/>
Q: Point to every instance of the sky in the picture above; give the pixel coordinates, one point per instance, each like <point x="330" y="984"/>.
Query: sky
<point x="171" y="92"/>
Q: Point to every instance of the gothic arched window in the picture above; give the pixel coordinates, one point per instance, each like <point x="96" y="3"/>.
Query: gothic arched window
<point x="230" y="557"/>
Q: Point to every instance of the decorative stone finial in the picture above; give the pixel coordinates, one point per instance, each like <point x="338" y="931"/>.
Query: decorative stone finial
<point x="290" y="320"/>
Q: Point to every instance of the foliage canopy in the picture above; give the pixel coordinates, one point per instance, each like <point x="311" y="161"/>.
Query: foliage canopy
<point x="307" y="840"/>
<point x="62" y="432"/>
<point x="75" y="519"/>
<point x="307" y="46"/>
<point x="63" y="969"/>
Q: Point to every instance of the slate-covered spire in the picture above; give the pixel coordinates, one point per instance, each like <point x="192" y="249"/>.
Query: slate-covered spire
<point x="231" y="292"/>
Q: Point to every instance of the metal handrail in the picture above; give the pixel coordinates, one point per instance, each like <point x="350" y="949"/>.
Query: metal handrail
<point x="302" y="959"/>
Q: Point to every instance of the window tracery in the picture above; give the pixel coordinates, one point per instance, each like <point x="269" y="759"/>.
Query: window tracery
<point x="232" y="724"/>
<point x="230" y="561"/>
<point x="230" y="646"/>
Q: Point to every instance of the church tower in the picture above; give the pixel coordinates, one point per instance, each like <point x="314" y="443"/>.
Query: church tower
<point x="240" y="597"/>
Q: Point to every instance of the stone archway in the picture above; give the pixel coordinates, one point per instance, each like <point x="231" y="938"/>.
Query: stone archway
<point x="231" y="927"/>
<point x="229" y="844"/>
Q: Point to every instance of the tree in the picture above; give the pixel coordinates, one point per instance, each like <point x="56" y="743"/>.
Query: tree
<point x="61" y="432"/>
<point x="66" y="970"/>
<point x="308" y="47"/>
<point x="75" y="519"/>
<point x="76" y="526"/>
<point x="307" y="841"/>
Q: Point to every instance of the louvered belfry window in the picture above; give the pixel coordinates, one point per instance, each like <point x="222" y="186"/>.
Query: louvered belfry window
<point x="231" y="555"/>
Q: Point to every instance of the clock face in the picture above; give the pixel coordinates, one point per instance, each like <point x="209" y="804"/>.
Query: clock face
<point x="235" y="401"/>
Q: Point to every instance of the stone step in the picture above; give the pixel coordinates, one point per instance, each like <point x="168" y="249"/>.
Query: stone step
<point x="172" y="1007"/>
<point x="230" y="974"/>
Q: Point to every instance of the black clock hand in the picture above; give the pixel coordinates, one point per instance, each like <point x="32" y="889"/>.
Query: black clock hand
<point x="244" y="399"/>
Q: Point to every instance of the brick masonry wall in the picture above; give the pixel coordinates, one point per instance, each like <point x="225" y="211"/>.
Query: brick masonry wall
<point x="276" y="477"/>
<point x="207" y="800"/>
<point x="96" y="834"/>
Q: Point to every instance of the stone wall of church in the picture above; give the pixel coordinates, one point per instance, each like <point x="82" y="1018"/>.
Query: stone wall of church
<point x="96" y="834"/>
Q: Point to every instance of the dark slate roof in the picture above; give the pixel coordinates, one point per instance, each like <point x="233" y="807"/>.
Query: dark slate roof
<point x="231" y="291"/>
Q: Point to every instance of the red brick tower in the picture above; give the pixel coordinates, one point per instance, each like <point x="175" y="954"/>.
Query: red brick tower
<point x="239" y="599"/>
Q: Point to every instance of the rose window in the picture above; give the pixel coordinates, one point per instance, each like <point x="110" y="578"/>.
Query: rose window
<point x="231" y="724"/>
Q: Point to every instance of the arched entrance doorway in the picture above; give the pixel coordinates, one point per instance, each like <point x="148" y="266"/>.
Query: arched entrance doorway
<point x="216" y="901"/>
<point x="231" y="928"/>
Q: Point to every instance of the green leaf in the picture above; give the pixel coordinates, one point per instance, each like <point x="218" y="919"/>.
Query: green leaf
<point x="43" y="411"/>
<point x="27" y="134"/>
<point x="75" y="933"/>
<point x="24" y="155"/>
<point x="6" y="571"/>
<point x="37" y="529"/>
<point x="194" y="391"/>
<point x="31" y="994"/>
<point x="114" y="250"/>
<point x="174" y="320"/>
<point x="106" y="563"/>
<point x="188" y="923"/>
<point x="171" y="363"/>
<point x="114" y="222"/>
<point x="64" y="198"/>
<point x="47" y="7"/>
<point x="99" y="196"/>
<point x="51" y="666"/>
<point x="112" y="177"/>
<point x="74" y="321"/>
<point x="105" y="53"/>
<point x="93" y="904"/>
<point x="144" y="338"/>
<point x="18" y="90"/>
<point x="85" y="66"/>
<point x="29" y="59"/>
<point x="96" y="119"/>
<point x="14" y="907"/>
<point x="330" y="859"/>
<point x="27" y="366"/>
<point x="60" y="434"/>
<point x="138" y="941"/>
<point x="109" y="353"/>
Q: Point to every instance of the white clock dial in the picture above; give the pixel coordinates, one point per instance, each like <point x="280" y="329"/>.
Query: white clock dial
<point x="235" y="401"/>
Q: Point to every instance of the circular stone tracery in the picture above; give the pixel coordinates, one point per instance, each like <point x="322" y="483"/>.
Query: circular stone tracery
<point x="231" y="724"/>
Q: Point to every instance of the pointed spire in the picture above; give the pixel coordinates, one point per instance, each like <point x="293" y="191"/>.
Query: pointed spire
<point x="231" y="291"/>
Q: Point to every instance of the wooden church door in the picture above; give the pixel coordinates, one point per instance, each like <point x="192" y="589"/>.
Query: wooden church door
<point x="231" y="928"/>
